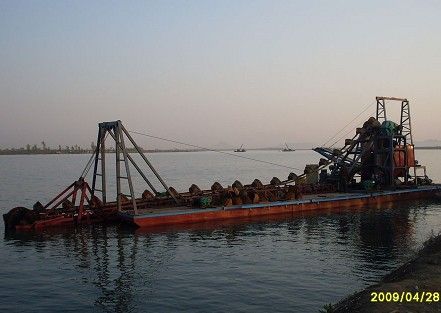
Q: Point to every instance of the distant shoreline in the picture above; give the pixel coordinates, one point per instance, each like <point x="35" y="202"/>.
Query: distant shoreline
<point x="429" y="148"/>
<point x="42" y="152"/>
<point x="18" y="152"/>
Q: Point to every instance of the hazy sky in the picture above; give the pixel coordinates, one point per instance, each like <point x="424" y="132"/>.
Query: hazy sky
<point x="253" y="72"/>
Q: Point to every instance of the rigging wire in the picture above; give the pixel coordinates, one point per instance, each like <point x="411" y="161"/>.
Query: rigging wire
<point x="208" y="149"/>
<point x="344" y="135"/>
<point x="336" y="134"/>
<point x="89" y="163"/>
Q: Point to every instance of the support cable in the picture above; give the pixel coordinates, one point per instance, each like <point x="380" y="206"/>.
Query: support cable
<point x="208" y="149"/>
<point x="336" y="134"/>
<point x="344" y="135"/>
<point x="90" y="162"/>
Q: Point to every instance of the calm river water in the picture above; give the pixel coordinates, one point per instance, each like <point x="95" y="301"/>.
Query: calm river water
<point x="284" y="264"/>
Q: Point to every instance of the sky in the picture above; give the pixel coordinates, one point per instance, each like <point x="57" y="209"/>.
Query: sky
<point x="212" y="73"/>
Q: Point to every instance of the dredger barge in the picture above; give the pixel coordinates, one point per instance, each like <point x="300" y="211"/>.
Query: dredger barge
<point x="377" y="165"/>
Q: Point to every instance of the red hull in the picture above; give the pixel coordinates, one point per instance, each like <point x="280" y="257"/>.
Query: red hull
<point x="63" y="221"/>
<point x="288" y="207"/>
<point x="192" y="216"/>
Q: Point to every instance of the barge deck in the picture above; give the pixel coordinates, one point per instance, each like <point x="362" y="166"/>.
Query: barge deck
<point x="326" y="201"/>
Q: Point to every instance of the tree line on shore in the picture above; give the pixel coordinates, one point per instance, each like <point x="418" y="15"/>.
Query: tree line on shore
<point x="43" y="148"/>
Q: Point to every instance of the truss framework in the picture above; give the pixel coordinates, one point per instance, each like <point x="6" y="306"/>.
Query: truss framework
<point x="119" y="134"/>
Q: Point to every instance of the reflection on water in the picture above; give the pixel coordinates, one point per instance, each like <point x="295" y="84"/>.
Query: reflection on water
<point x="285" y="263"/>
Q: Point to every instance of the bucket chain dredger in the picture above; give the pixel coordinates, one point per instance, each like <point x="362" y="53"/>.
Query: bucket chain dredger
<point x="376" y="165"/>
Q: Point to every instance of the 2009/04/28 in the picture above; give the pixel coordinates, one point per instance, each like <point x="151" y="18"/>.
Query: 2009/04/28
<point x="405" y="296"/>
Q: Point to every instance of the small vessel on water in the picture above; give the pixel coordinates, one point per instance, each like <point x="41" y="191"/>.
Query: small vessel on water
<point x="287" y="149"/>
<point x="375" y="166"/>
<point x="241" y="149"/>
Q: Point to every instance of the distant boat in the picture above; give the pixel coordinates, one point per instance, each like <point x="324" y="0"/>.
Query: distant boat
<point x="287" y="149"/>
<point x="241" y="149"/>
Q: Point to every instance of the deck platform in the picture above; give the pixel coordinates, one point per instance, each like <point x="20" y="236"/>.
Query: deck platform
<point x="179" y="215"/>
